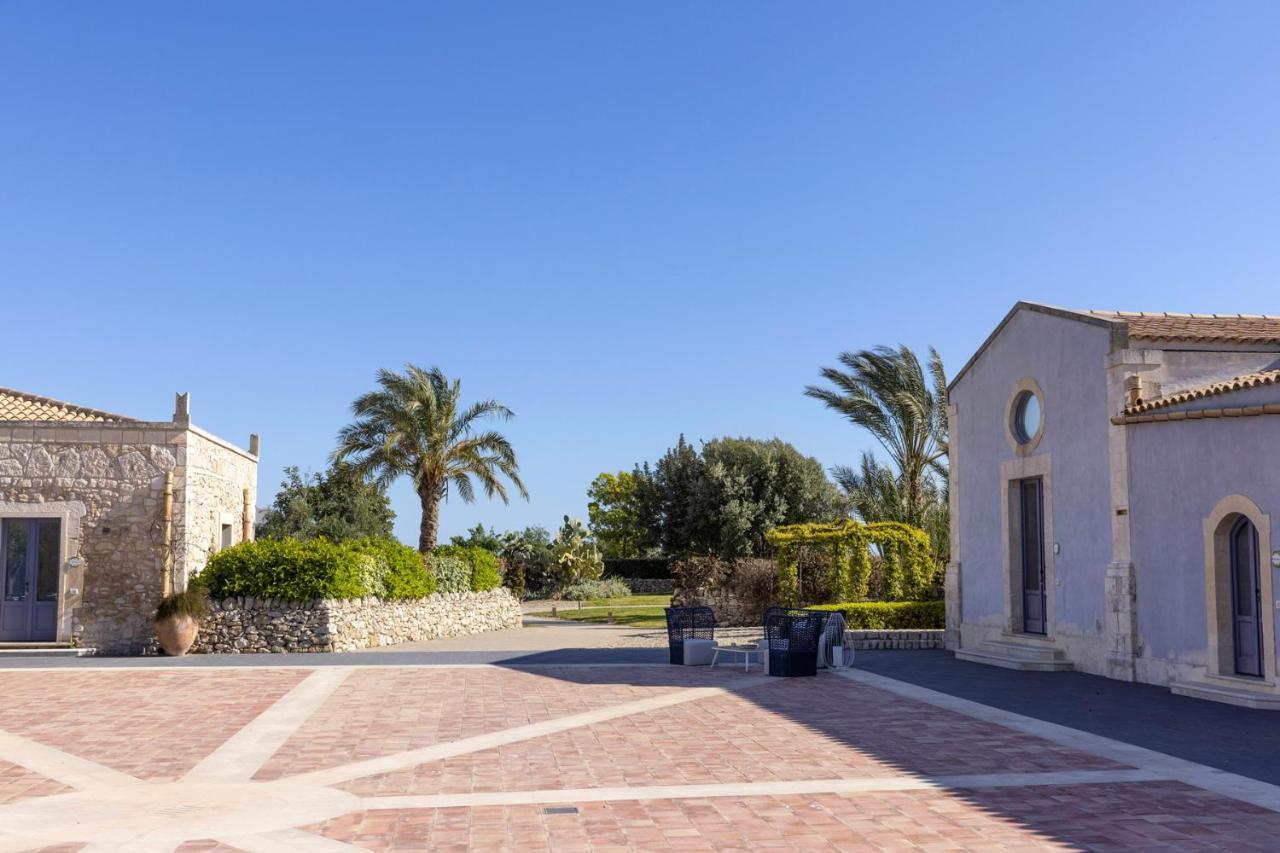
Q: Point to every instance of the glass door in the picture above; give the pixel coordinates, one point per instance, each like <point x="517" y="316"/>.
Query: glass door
<point x="30" y="560"/>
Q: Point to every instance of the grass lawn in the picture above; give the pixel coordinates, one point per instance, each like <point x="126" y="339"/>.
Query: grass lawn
<point x="632" y="617"/>
<point x="635" y="611"/>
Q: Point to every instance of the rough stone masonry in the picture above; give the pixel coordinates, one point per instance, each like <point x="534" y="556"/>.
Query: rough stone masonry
<point x="245" y="625"/>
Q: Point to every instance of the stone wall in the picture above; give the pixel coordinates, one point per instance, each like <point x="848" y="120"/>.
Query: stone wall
<point x="246" y="626"/>
<point x="215" y="477"/>
<point x="105" y="482"/>
<point x="731" y="609"/>
<point x="117" y="476"/>
<point x="912" y="640"/>
<point x="650" y="586"/>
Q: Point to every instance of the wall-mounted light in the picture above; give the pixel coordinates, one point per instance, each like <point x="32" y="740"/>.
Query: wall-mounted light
<point x="1275" y="559"/>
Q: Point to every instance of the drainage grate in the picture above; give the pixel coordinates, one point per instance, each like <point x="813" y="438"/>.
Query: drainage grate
<point x="561" y="810"/>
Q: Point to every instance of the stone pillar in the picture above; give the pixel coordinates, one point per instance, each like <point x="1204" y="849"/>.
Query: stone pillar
<point x="1120" y="595"/>
<point x="1121" y="621"/>
<point x="952" y="586"/>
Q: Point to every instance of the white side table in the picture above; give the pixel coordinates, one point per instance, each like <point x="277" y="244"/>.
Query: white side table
<point x="746" y="652"/>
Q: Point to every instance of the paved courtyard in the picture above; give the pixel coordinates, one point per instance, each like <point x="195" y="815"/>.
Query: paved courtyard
<point x="594" y="757"/>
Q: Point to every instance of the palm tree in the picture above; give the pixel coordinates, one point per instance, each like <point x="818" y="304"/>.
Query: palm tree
<point x="876" y="493"/>
<point x="885" y="391"/>
<point x="412" y="425"/>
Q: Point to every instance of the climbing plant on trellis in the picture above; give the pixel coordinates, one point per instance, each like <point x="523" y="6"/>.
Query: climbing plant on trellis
<point x="907" y="563"/>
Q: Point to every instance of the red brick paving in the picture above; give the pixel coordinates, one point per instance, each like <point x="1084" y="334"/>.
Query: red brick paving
<point x="157" y="724"/>
<point x="382" y="711"/>
<point x="818" y="729"/>
<point x="1103" y="817"/>
<point x="136" y="721"/>
<point x="19" y="783"/>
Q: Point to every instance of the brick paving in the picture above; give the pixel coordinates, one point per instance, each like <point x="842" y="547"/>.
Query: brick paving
<point x="380" y="711"/>
<point x="883" y="771"/>
<point x="135" y="721"/>
<point x="1105" y="817"/>
<point x="789" y="730"/>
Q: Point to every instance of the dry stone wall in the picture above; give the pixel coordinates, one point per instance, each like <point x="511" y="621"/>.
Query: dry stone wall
<point x="246" y="625"/>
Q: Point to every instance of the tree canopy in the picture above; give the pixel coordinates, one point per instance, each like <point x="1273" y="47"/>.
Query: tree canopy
<point x="337" y="505"/>
<point x="719" y="500"/>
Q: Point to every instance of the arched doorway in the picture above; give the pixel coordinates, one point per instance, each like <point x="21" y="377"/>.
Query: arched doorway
<point x="1246" y="598"/>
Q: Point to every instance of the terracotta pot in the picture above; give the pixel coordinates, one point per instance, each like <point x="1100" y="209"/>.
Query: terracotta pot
<point x="176" y="634"/>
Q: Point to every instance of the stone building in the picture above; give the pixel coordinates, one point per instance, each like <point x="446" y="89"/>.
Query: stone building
<point x="1115" y="492"/>
<point x="101" y="513"/>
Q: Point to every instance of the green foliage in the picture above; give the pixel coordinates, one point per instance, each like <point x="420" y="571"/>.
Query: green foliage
<point x="485" y="574"/>
<point x="589" y="590"/>
<point x="452" y="574"/>
<point x="576" y="556"/>
<point x="481" y="567"/>
<point x="527" y="560"/>
<point x="478" y="537"/>
<point x="890" y="615"/>
<point x="296" y="570"/>
<point x="191" y="602"/>
<point x="904" y="406"/>
<point x="722" y="501"/>
<point x="909" y="571"/>
<point x="288" y="569"/>
<point x="393" y="570"/>
<point x="337" y="505"/>
<point x="414" y="425"/>
<point x="615" y="511"/>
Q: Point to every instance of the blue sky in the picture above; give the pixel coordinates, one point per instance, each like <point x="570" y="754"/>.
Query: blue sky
<point x="626" y="221"/>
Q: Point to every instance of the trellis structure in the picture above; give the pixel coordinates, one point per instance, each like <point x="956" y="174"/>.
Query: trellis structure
<point x="908" y="564"/>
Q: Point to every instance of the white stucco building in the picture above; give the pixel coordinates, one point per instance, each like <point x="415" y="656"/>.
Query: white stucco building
<point x="101" y="513"/>
<point x="1114" y="480"/>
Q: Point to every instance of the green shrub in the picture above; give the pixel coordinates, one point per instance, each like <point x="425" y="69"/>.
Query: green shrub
<point x="303" y="571"/>
<point x="452" y="574"/>
<point x="481" y="563"/>
<point x="890" y="615"/>
<point x="391" y="569"/>
<point x="286" y="569"/>
<point x="192" y="602"/>
<point x="484" y="570"/>
<point x="586" y="590"/>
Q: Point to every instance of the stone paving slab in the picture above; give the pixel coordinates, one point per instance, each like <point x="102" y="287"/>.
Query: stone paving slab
<point x="591" y="758"/>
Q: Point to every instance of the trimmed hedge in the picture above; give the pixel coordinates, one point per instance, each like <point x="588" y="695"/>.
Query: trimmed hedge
<point x="291" y="570"/>
<point x="890" y="615"/>
<point x="638" y="567"/>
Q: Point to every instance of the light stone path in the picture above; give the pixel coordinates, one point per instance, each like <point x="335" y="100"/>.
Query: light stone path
<point x="622" y="713"/>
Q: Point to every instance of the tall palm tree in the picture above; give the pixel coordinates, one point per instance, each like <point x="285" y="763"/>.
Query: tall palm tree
<point x="413" y="426"/>
<point x="886" y="392"/>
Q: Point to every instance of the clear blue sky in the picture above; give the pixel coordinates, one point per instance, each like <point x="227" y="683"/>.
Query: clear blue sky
<point x="623" y="220"/>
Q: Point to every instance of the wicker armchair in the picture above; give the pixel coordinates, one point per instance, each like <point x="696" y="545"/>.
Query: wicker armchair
<point x="792" y="638"/>
<point x="688" y="623"/>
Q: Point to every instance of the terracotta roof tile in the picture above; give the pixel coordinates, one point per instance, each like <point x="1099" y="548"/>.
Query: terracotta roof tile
<point x="1239" y="383"/>
<point x="21" y="406"/>
<point x="1199" y="328"/>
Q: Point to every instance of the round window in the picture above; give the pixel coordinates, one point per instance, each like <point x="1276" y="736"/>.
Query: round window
<point x="1026" y="417"/>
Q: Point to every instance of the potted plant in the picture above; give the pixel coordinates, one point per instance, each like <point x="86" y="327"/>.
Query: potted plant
<point x="178" y="620"/>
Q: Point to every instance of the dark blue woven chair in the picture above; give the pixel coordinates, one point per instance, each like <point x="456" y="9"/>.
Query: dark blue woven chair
<point x="688" y="623"/>
<point x="792" y="637"/>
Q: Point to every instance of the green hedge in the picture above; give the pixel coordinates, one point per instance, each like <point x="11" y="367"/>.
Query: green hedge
<point x="890" y="615"/>
<point x="292" y="570"/>
<point x="482" y="568"/>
